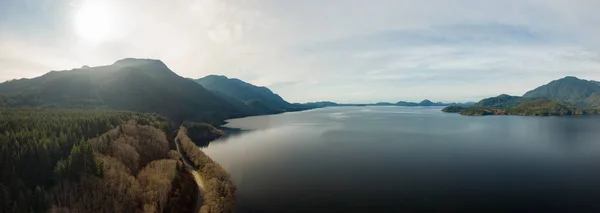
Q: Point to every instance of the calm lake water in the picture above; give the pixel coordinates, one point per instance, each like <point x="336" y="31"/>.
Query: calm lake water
<point x="405" y="159"/>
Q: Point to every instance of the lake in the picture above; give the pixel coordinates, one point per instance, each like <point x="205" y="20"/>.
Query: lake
<point x="412" y="159"/>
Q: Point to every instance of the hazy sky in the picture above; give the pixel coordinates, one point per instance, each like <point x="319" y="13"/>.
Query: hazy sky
<point x="309" y="50"/>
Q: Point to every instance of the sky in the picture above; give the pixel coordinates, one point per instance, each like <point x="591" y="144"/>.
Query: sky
<point x="348" y="51"/>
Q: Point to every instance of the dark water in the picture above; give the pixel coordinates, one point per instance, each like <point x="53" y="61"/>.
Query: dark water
<point x="399" y="159"/>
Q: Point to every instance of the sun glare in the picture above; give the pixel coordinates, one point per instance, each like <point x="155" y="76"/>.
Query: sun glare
<point x="93" y="21"/>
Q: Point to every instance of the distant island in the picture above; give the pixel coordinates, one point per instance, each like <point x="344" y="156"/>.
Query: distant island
<point x="565" y="96"/>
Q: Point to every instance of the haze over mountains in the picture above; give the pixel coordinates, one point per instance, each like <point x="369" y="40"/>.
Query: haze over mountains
<point x="427" y="102"/>
<point x="143" y="85"/>
<point x="148" y="85"/>
<point x="236" y="91"/>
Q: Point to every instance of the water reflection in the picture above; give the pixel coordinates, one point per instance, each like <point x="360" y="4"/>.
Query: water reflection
<point x="400" y="159"/>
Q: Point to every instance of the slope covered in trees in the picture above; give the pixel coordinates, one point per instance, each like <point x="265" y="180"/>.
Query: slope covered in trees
<point x="578" y="92"/>
<point x="501" y="101"/>
<point x="89" y="161"/>
<point x="142" y="85"/>
<point x="565" y="96"/>
<point x="220" y="190"/>
<point x="202" y="133"/>
<point x="528" y="107"/>
<point x="261" y="99"/>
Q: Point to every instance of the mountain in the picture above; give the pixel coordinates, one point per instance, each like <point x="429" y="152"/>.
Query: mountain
<point x="565" y="96"/>
<point x="468" y="103"/>
<point x="527" y="107"/>
<point x="579" y="92"/>
<point x="501" y="101"/>
<point x="261" y="99"/>
<point x="405" y="103"/>
<point x="143" y="85"/>
<point x="383" y="104"/>
<point x="426" y="103"/>
<point x="544" y="106"/>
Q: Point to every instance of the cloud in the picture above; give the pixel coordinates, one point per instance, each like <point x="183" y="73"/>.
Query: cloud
<point x="340" y="50"/>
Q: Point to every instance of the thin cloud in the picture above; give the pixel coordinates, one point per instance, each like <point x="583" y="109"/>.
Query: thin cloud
<point x="347" y="51"/>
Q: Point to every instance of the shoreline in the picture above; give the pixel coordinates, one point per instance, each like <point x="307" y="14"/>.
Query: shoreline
<point x="201" y="189"/>
<point x="214" y="183"/>
<point x="193" y="171"/>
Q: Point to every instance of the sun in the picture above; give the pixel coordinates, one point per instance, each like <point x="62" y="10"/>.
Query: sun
<point x="93" y="21"/>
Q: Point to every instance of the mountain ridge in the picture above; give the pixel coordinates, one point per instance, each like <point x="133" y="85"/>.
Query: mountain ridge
<point x="144" y="85"/>
<point x="258" y="97"/>
<point x="565" y="96"/>
<point x="570" y="89"/>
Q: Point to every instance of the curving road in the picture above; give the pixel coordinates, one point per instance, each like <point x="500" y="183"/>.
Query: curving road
<point x="194" y="172"/>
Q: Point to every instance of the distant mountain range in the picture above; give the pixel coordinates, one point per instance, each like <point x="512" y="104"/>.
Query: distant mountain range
<point x="319" y="104"/>
<point x="565" y="96"/>
<point x="148" y="85"/>
<point x="399" y="103"/>
<point x="430" y="103"/>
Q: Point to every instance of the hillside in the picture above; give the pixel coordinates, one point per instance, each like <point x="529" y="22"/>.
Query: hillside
<point x="565" y="96"/>
<point x="579" y="92"/>
<point x="501" y="101"/>
<point x="527" y="107"/>
<point x="544" y="107"/>
<point x="81" y="160"/>
<point x="143" y="85"/>
<point x="90" y="160"/>
<point x="261" y="99"/>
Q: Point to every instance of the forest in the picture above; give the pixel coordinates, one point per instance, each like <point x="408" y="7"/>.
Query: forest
<point x="58" y="160"/>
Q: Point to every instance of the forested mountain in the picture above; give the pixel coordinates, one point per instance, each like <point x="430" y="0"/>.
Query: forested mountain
<point x="579" y="92"/>
<point x="527" y="106"/>
<point x="261" y="99"/>
<point x="565" y="96"/>
<point x="501" y="101"/>
<point x="142" y="85"/>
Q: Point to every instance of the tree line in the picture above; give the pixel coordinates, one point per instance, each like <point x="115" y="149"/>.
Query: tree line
<point x="89" y="161"/>
<point x="220" y="190"/>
